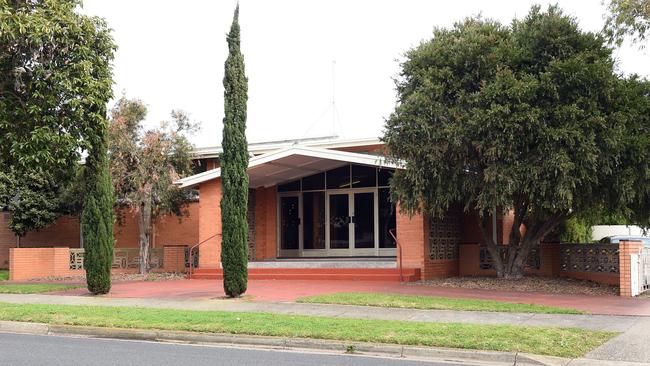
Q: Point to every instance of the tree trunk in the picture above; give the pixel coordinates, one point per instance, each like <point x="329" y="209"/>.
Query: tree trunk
<point x="517" y="251"/>
<point x="492" y="248"/>
<point x="144" y="226"/>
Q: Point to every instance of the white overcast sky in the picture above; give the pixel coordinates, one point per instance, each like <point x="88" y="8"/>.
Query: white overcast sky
<point x="171" y="55"/>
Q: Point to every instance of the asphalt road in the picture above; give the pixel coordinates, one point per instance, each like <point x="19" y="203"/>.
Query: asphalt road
<point x="33" y="350"/>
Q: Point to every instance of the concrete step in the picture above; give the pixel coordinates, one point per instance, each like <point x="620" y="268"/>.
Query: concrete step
<point x="299" y="274"/>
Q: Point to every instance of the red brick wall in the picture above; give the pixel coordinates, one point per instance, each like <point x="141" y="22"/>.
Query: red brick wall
<point x="439" y="268"/>
<point x="210" y="224"/>
<point x="174" y="258"/>
<point x="266" y="223"/>
<point x="168" y="230"/>
<point x="471" y="232"/>
<point x="411" y="236"/>
<point x="7" y="240"/>
<point x="29" y="263"/>
<point x="64" y="232"/>
<point x="174" y="230"/>
<point x="35" y="263"/>
<point x="469" y="265"/>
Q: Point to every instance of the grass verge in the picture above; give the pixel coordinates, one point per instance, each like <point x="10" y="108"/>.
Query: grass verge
<point x="4" y="275"/>
<point x="35" y="288"/>
<point x="433" y="303"/>
<point x="563" y="342"/>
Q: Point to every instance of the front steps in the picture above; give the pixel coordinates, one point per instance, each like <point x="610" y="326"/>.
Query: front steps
<point x="323" y="274"/>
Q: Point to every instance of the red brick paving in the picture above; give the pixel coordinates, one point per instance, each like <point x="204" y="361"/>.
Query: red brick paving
<point x="275" y="290"/>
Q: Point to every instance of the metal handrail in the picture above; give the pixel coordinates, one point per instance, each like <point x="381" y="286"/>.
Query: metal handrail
<point x="399" y="250"/>
<point x="192" y="251"/>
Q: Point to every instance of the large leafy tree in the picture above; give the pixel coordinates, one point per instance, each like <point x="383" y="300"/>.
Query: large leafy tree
<point x="627" y="18"/>
<point x="55" y="80"/>
<point x="528" y="119"/>
<point x="144" y="165"/>
<point x="234" y="162"/>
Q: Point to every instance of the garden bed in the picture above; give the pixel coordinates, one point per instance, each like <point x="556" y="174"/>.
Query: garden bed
<point x="115" y="278"/>
<point x="566" y="286"/>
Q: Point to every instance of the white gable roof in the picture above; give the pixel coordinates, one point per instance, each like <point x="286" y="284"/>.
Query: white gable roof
<point x="292" y="163"/>
<point x="257" y="148"/>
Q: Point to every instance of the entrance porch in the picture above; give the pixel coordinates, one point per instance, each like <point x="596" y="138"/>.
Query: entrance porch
<point x="320" y="214"/>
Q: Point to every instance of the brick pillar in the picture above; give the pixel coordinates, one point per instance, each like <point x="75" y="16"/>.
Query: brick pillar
<point x="625" y="250"/>
<point x="266" y="212"/>
<point x="210" y="224"/>
<point x="174" y="258"/>
<point x="411" y="235"/>
<point x="550" y="260"/>
<point x="13" y="265"/>
<point x="468" y="259"/>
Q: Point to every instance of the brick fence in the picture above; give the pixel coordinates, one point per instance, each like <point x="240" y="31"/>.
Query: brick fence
<point x="609" y="264"/>
<point x="64" y="232"/>
<point x="35" y="263"/>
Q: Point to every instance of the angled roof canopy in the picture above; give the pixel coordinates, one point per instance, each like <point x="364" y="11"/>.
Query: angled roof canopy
<point x="257" y="148"/>
<point x="292" y="163"/>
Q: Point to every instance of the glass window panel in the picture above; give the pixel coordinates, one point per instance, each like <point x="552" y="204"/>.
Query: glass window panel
<point x="383" y="177"/>
<point x="363" y="176"/>
<point x="387" y="219"/>
<point x="313" y="182"/>
<point x="339" y="221"/>
<point x="338" y="178"/>
<point x="289" y="222"/>
<point x="313" y="220"/>
<point x="289" y="187"/>
<point x="364" y="220"/>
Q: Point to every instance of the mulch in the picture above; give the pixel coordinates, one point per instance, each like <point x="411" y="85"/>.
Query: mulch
<point x="567" y="286"/>
<point x="116" y="278"/>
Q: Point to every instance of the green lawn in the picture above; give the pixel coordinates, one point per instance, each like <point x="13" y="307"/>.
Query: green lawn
<point x="4" y="275"/>
<point x="565" y="342"/>
<point x="433" y="303"/>
<point x="35" y="288"/>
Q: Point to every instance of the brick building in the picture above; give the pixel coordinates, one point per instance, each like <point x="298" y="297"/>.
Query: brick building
<point x="317" y="204"/>
<point x="320" y="202"/>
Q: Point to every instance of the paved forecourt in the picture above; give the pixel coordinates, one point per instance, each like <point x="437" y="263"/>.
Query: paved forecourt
<point x="278" y="290"/>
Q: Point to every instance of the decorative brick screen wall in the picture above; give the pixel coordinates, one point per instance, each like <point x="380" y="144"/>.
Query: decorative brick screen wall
<point x="444" y="236"/>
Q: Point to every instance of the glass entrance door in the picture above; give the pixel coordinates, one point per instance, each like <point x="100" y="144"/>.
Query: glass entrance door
<point x="364" y="220"/>
<point x="331" y="223"/>
<point x="352" y="222"/>
<point x="339" y="221"/>
<point x="290" y="223"/>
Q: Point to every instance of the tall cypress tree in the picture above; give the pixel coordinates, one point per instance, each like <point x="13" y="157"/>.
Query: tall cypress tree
<point x="234" y="162"/>
<point x="97" y="219"/>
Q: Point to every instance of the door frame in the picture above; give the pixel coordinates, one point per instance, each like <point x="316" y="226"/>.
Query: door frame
<point x="351" y="251"/>
<point x="288" y="252"/>
<point x="328" y="252"/>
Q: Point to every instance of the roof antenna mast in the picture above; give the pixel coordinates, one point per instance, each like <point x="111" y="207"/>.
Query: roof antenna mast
<point x="334" y="98"/>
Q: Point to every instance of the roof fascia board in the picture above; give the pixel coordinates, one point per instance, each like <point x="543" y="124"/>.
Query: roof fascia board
<point x="343" y="156"/>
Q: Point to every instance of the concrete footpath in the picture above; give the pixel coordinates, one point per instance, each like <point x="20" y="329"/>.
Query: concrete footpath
<point x="592" y="322"/>
<point x="631" y="346"/>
